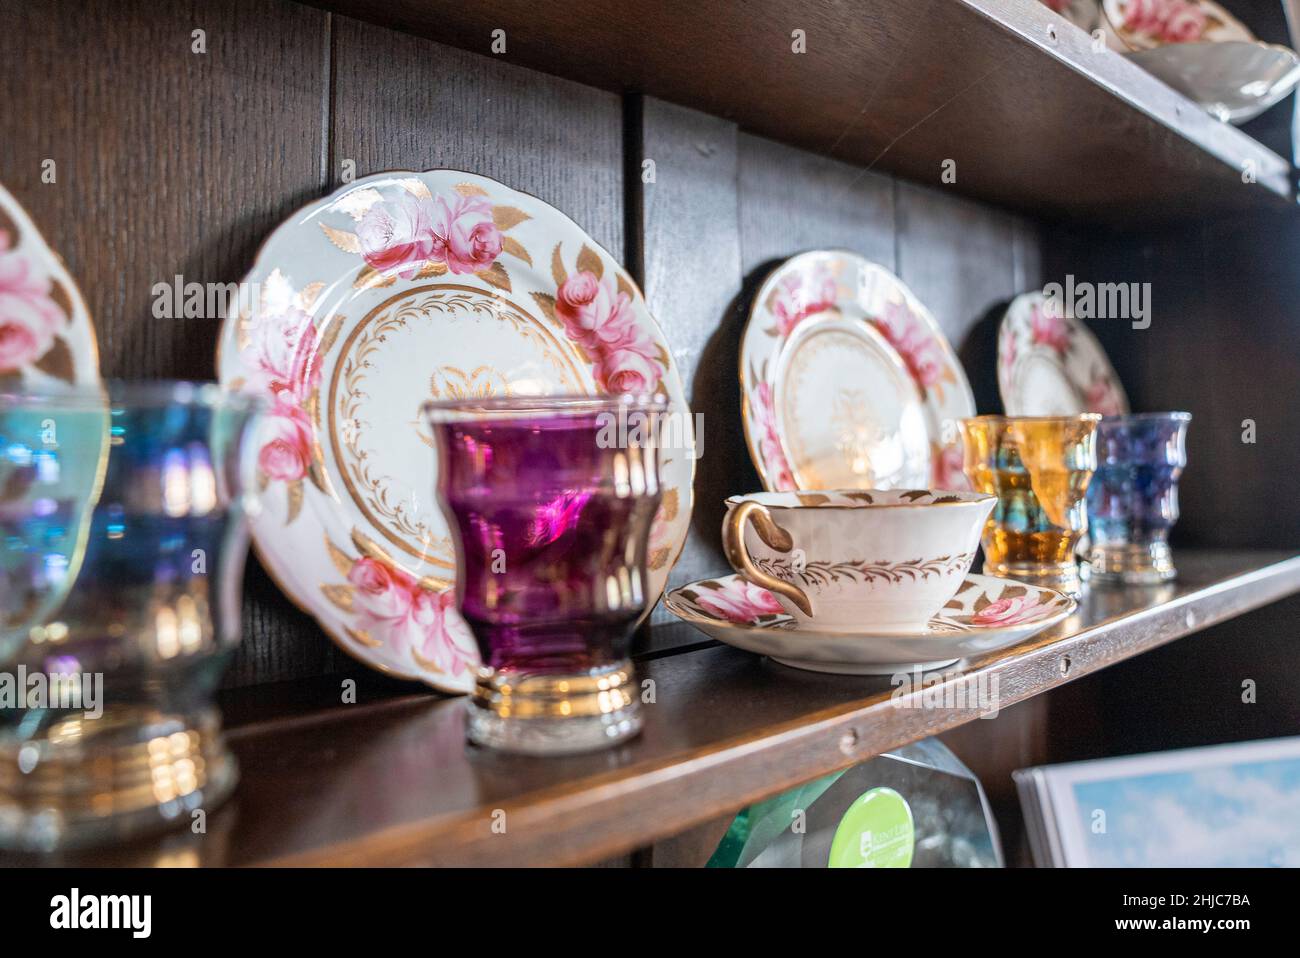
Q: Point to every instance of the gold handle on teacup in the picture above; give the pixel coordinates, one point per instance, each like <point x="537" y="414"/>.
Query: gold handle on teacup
<point x="733" y="544"/>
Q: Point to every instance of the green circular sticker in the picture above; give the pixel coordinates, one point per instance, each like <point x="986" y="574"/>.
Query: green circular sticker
<point x="876" y="832"/>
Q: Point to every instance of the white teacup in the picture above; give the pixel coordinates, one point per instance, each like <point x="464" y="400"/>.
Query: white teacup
<point x="850" y="559"/>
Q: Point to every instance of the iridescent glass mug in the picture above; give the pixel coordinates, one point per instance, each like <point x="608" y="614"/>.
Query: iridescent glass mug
<point x="550" y="502"/>
<point x="1133" y="498"/>
<point x="122" y="545"/>
<point x="1039" y="468"/>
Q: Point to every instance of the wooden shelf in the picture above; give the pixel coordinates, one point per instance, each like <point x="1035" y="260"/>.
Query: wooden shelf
<point x="392" y="782"/>
<point x="1033" y="116"/>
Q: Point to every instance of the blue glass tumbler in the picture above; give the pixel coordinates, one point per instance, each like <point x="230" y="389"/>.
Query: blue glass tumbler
<point x="1133" y="498"/>
<point x="122" y="546"/>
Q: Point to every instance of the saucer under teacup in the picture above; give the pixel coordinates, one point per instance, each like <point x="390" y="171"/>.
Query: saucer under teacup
<point x="986" y="614"/>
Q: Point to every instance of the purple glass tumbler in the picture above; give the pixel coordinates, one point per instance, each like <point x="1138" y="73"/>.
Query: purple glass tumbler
<point x="550" y="502"/>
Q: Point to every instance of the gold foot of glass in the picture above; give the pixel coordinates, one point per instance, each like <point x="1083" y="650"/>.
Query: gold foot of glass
<point x="554" y="714"/>
<point x="86" y="781"/>
<point x="1132" y="563"/>
<point x="1063" y="577"/>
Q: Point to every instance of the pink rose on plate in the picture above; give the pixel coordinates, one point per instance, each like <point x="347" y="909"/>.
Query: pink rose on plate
<point x="918" y="349"/>
<point x="797" y="297"/>
<point x="393" y="607"/>
<point x="1007" y="347"/>
<point x="398" y="235"/>
<point x="282" y="351"/>
<point x="1048" y="329"/>
<point x="627" y="371"/>
<point x="1172" y="21"/>
<point x="1102" y="397"/>
<point x="1011" y="611"/>
<point x="464" y="235"/>
<point x="948" y="469"/>
<point x="769" y="442"/>
<point x="382" y="593"/>
<point x="599" y="317"/>
<point x="29" y="318"/>
<point x="1184" y="24"/>
<point x="739" y="600"/>
<point x="286" y="455"/>
<point x="443" y="638"/>
<point x="595" y="313"/>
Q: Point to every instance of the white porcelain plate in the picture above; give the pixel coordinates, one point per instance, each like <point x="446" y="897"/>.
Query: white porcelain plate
<point x="1049" y="364"/>
<point x="987" y="613"/>
<point x="397" y="289"/>
<point x="47" y="340"/>
<point x="847" y="382"/>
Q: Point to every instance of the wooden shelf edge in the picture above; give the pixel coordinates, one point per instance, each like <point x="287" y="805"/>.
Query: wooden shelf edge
<point x="391" y="782"/>
<point x="603" y="818"/>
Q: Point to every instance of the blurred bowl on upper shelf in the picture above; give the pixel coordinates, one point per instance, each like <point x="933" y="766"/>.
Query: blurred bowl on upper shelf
<point x="1234" y="81"/>
<point x="1201" y="50"/>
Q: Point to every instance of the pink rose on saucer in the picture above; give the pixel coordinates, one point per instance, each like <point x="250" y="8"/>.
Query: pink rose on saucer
<point x="394" y="608"/>
<point x="398" y="234"/>
<point x="29" y="318"/>
<point x="1048" y="329"/>
<point x="1009" y="611"/>
<point x="286" y="456"/>
<point x="464" y="235"/>
<point x="739" y="600"/>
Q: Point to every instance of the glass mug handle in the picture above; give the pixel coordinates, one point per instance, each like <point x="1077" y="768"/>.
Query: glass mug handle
<point x="733" y="544"/>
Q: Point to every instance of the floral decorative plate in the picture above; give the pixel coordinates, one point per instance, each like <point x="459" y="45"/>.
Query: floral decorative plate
<point x="399" y="288"/>
<point x="46" y="336"/>
<point x="1147" y="24"/>
<point x="1049" y="364"/>
<point x="987" y="613"/>
<point x="847" y="381"/>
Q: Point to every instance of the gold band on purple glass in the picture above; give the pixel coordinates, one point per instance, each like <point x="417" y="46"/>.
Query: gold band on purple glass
<point x="545" y="696"/>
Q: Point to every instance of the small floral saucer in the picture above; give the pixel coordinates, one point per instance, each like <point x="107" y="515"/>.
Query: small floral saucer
<point x="987" y="613"/>
<point x="1049" y="364"/>
<point x="847" y="381"/>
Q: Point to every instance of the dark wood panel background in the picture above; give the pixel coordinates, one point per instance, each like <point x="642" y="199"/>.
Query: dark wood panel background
<point x="175" y="162"/>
